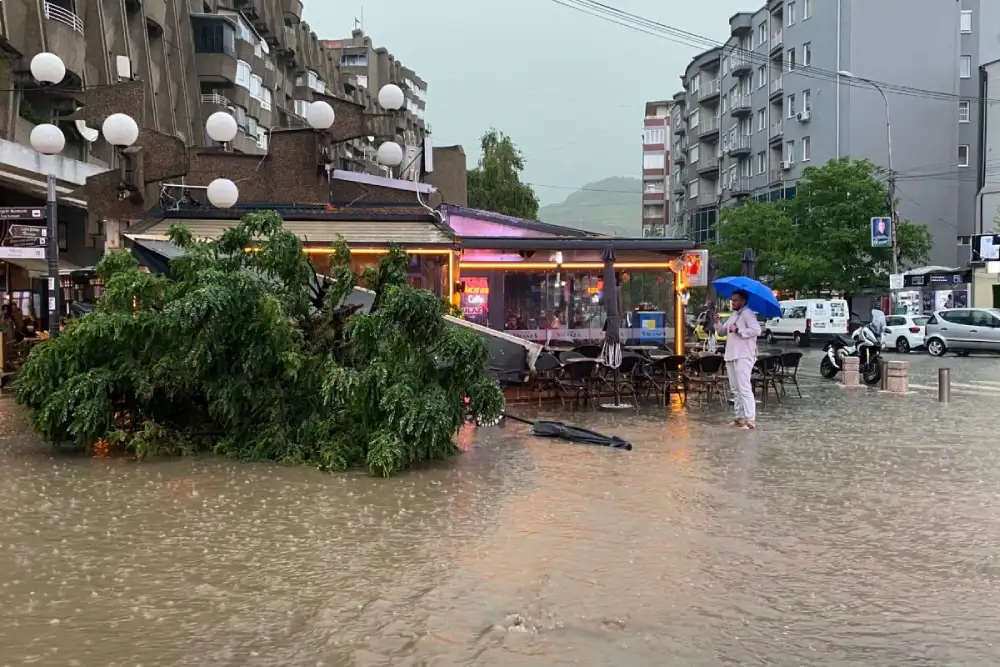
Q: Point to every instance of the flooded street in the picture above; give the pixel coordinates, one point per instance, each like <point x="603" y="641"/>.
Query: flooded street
<point x="852" y="528"/>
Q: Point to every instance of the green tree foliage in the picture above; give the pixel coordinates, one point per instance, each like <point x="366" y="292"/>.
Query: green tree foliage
<point x="251" y="355"/>
<point x="495" y="184"/>
<point x="821" y="239"/>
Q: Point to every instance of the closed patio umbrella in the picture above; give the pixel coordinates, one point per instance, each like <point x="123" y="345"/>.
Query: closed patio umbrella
<point x="611" y="351"/>
<point x="748" y="267"/>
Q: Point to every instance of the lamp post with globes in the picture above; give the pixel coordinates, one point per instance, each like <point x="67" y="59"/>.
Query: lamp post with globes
<point x="120" y="130"/>
<point x="222" y="128"/>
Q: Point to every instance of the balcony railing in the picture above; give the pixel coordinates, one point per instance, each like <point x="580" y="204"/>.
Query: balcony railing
<point x="62" y="15"/>
<point x="215" y="98"/>
<point x="710" y="89"/>
<point x="777" y="129"/>
<point x="776" y="85"/>
<point x="774" y="176"/>
<point x="737" y="143"/>
<point x="709" y="125"/>
<point x="738" y="185"/>
<point x="741" y="103"/>
<point x="739" y="60"/>
<point x="776" y="39"/>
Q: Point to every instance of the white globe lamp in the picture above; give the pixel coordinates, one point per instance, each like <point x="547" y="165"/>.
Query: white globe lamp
<point x="221" y="127"/>
<point x="120" y="130"/>
<point x="320" y="115"/>
<point x="48" y="68"/>
<point x="47" y="139"/>
<point x="390" y="97"/>
<point x="390" y="154"/>
<point x="223" y="193"/>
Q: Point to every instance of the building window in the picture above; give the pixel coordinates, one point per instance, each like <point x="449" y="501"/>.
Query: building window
<point x="694" y="153"/>
<point x="806" y="149"/>
<point x="790" y="13"/>
<point x="807" y="100"/>
<point x="653" y="161"/>
<point x="654" y="135"/>
<point x="241" y="117"/>
<point x="262" y="138"/>
<point x="790" y="60"/>
<point x="761" y="76"/>
<point x="301" y="108"/>
<point x="761" y="162"/>
<point x="251" y="128"/>
<point x="694" y="120"/>
<point x="790" y="106"/>
<point x="963" y="111"/>
<point x="213" y="35"/>
<point x="761" y="120"/>
<point x="354" y="60"/>
<point x="965" y="67"/>
<point x="725" y="66"/>
<point x="806" y="9"/>
<point x="746" y="127"/>
<point x="790" y="152"/>
<point x="762" y="33"/>
<point x="746" y="84"/>
<point x="266" y="99"/>
<point x="243" y="74"/>
<point x="256" y="86"/>
<point x="807" y="54"/>
<point x="693" y="189"/>
<point x="653" y="187"/>
<point x="963" y="155"/>
<point x="966" y="21"/>
<point x="745" y="167"/>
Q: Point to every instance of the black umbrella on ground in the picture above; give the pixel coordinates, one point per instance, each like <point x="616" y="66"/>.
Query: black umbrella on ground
<point x="611" y="352"/>
<point x="550" y="429"/>
<point x="748" y="267"/>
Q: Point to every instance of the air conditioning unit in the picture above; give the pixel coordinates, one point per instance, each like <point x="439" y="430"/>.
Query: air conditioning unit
<point x="786" y="165"/>
<point x="803" y="116"/>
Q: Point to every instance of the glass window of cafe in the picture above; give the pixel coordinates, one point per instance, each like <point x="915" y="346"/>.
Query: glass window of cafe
<point x="537" y="305"/>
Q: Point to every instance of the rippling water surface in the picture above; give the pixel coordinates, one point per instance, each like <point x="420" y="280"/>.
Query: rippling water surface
<point x="852" y="528"/>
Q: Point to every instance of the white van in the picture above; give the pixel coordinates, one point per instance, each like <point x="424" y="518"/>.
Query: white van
<point x="805" y="320"/>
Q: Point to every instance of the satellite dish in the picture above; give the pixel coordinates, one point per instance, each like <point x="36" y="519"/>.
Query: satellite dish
<point x="88" y="133"/>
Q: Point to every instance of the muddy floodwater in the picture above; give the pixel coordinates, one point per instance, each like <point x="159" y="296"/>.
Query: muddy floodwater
<point x="852" y="528"/>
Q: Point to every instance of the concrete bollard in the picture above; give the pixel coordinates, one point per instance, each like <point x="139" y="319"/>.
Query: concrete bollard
<point x="884" y="367"/>
<point x="944" y="385"/>
<point x="897" y="377"/>
<point x="851" y="375"/>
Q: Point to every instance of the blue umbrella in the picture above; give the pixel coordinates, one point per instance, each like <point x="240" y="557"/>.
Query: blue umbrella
<point x="762" y="300"/>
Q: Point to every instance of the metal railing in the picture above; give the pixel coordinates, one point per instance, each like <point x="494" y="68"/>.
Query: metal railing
<point x="776" y="38"/>
<point x="709" y="89"/>
<point x="775" y="176"/>
<point x="777" y="129"/>
<point x="739" y="184"/>
<point x="708" y="125"/>
<point x="739" y="142"/>
<point x="739" y="59"/>
<point x="215" y="98"/>
<point x="740" y="103"/>
<point x="56" y="13"/>
<point x="776" y="85"/>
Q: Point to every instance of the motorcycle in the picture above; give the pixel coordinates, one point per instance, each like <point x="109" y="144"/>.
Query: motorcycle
<point x="864" y="344"/>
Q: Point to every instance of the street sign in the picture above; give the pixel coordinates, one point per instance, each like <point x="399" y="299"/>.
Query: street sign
<point x="896" y="281"/>
<point x="23" y="242"/>
<point x="7" y="252"/>
<point x="28" y="231"/>
<point x="881" y="232"/>
<point x="22" y="213"/>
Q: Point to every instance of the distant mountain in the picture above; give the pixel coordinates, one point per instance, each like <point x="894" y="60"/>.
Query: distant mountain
<point x="611" y="206"/>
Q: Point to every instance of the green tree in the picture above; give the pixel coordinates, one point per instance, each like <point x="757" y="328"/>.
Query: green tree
<point x="831" y="214"/>
<point x="495" y="184"/>
<point x="244" y="351"/>
<point x="763" y="226"/>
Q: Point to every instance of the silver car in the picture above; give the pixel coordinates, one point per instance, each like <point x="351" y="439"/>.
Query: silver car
<point x="963" y="330"/>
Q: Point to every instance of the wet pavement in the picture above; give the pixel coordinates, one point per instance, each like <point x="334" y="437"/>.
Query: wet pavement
<point x="852" y="528"/>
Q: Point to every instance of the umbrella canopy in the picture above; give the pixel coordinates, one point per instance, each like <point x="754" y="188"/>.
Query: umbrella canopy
<point x="748" y="266"/>
<point x="762" y="300"/>
<point x="611" y="352"/>
<point x="544" y="428"/>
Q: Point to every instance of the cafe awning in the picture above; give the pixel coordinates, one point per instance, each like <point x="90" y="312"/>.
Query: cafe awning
<point x="355" y="232"/>
<point x="40" y="267"/>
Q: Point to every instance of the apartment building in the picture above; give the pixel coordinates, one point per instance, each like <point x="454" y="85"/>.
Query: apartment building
<point x="656" y="168"/>
<point x="373" y="67"/>
<point x="758" y="110"/>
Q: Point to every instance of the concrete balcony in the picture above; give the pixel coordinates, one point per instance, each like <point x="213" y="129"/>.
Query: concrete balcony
<point x="704" y="200"/>
<point x="739" y="145"/>
<point x="777" y="132"/>
<point x="777" y="41"/>
<point x="775" y="176"/>
<point x="27" y="169"/>
<point x="777" y="88"/>
<point x="740" y="63"/>
<point x="289" y="43"/>
<point x="216" y="67"/>
<point x="292" y="11"/>
<point x="739" y="186"/>
<point x="679" y="188"/>
<point x="64" y="36"/>
<point x="708" y="167"/>
<point x="741" y="106"/>
<point x="708" y="128"/>
<point x="709" y="91"/>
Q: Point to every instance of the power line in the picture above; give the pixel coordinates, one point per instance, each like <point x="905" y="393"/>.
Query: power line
<point x="663" y="31"/>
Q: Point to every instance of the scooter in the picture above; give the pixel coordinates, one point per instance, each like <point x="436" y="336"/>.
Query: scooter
<point x="864" y="344"/>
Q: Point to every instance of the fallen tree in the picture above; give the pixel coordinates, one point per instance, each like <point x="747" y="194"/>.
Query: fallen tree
<point x="244" y="351"/>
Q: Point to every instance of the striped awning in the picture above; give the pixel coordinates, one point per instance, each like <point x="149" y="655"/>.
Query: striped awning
<point x="355" y="232"/>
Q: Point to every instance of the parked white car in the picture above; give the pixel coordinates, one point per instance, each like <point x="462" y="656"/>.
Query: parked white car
<point x="905" y="332"/>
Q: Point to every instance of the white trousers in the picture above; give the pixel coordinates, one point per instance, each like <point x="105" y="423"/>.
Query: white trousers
<point x="744" y="403"/>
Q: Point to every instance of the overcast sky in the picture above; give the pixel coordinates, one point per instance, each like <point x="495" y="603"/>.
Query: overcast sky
<point x="567" y="87"/>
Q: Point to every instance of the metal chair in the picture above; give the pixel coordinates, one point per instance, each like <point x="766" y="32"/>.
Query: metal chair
<point x="789" y="371"/>
<point x="765" y="374"/>
<point x="577" y="378"/>
<point x="627" y="377"/>
<point x="707" y="375"/>
<point x="666" y="375"/>
<point x="546" y="367"/>
<point x="589" y="351"/>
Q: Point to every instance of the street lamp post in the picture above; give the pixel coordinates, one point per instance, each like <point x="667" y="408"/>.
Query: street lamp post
<point x="892" y="174"/>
